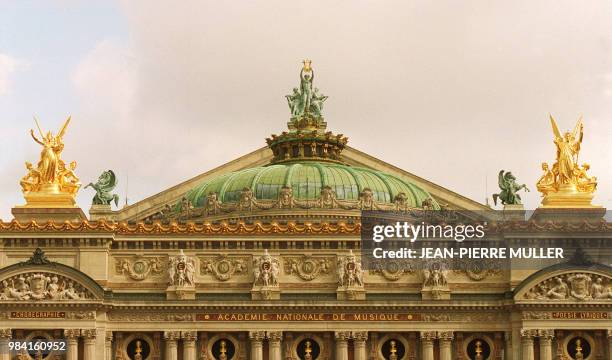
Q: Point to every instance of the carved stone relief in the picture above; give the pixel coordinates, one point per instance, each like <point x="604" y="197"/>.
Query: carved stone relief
<point x="575" y="286"/>
<point x="42" y="286"/>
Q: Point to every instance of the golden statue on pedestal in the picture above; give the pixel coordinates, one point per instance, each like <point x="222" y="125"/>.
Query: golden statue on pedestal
<point x="566" y="183"/>
<point x="51" y="183"/>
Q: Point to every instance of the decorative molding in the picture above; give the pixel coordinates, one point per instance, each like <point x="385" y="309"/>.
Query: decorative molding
<point x="306" y="267"/>
<point x="174" y="228"/>
<point x="139" y="267"/>
<point x="81" y="315"/>
<point x="223" y="267"/>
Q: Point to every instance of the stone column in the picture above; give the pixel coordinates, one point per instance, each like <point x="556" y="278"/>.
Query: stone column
<point x="89" y="342"/>
<point x="108" y="345"/>
<point x="256" y="338"/>
<point x="446" y="339"/>
<point x="508" y="355"/>
<point x="527" y="344"/>
<point x="546" y="337"/>
<point x="274" y="345"/>
<point x="427" y="339"/>
<point x="609" y="343"/>
<point x="5" y="337"/>
<point x="342" y="338"/>
<point x="170" y="339"/>
<point x="189" y="344"/>
<point x="359" y="343"/>
<point x="72" y="343"/>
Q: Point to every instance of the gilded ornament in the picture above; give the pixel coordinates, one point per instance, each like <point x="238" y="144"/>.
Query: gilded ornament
<point x="566" y="183"/>
<point x="51" y="183"/>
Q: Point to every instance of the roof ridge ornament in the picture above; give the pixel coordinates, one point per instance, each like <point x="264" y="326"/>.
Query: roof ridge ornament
<point x="38" y="258"/>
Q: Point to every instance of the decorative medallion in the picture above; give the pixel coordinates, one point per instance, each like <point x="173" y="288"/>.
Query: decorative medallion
<point x="223" y="267"/>
<point x="139" y="267"/>
<point x="307" y="267"/>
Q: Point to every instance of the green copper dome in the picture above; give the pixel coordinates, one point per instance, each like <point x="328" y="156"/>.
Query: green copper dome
<point x="306" y="180"/>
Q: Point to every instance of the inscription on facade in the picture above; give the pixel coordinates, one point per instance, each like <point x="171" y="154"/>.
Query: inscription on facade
<point x="308" y="317"/>
<point x="38" y="315"/>
<point x="569" y="315"/>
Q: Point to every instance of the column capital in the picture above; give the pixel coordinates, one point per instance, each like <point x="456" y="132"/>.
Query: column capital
<point x="89" y="333"/>
<point x="428" y="335"/>
<point x="172" y="335"/>
<point x="255" y="336"/>
<point x="72" y="334"/>
<point x="274" y="335"/>
<point x="190" y="335"/>
<point x="342" y="335"/>
<point x="360" y="335"/>
<point x="5" y="333"/>
<point x="445" y="335"/>
<point x="609" y="333"/>
<point x="546" y="334"/>
<point x="528" y="333"/>
<point x="108" y="336"/>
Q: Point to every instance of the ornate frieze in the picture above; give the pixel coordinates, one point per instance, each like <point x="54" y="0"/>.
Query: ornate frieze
<point x="575" y="286"/>
<point x="150" y="317"/>
<point x="40" y="286"/>
<point x="478" y="270"/>
<point x="223" y="267"/>
<point x="306" y="267"/>
<point x="139" y="267"/>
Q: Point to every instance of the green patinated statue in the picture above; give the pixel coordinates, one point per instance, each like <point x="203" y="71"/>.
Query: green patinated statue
<point x="509" y="188"/>
<point x="306" y="99"/>
<point x="103" y="187"/>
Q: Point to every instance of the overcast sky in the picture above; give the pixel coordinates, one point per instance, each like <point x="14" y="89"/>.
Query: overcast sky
<point x="452" y="91"/>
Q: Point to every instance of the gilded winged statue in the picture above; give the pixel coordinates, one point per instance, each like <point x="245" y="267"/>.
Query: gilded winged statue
<point x="51" y="173"/>
<point x="566" y="174"/>
<point x="107" y="181"/>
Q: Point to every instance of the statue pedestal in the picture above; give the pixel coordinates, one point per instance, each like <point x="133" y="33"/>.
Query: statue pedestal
<point x="265" y="293"/>
<point x="350" y="293"/>
<point x="97" y="212"/>
<point x="435" y="293"/>
<point x="569" y="198"/>
<point x="514" y="212"/>
<point x="180" y="293"/>
<point x="42" y="215"/>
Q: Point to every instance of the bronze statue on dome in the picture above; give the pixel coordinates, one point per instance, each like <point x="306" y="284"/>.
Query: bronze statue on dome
<point x="306" y="100"/>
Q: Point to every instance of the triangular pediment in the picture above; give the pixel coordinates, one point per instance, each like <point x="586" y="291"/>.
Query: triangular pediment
<point x="263" y="156"/>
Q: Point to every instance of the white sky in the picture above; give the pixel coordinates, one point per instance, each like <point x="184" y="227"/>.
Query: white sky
<point x="162" y="91"/>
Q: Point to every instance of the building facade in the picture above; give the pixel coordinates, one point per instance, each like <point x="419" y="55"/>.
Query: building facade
<point x="260" y="259"/>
